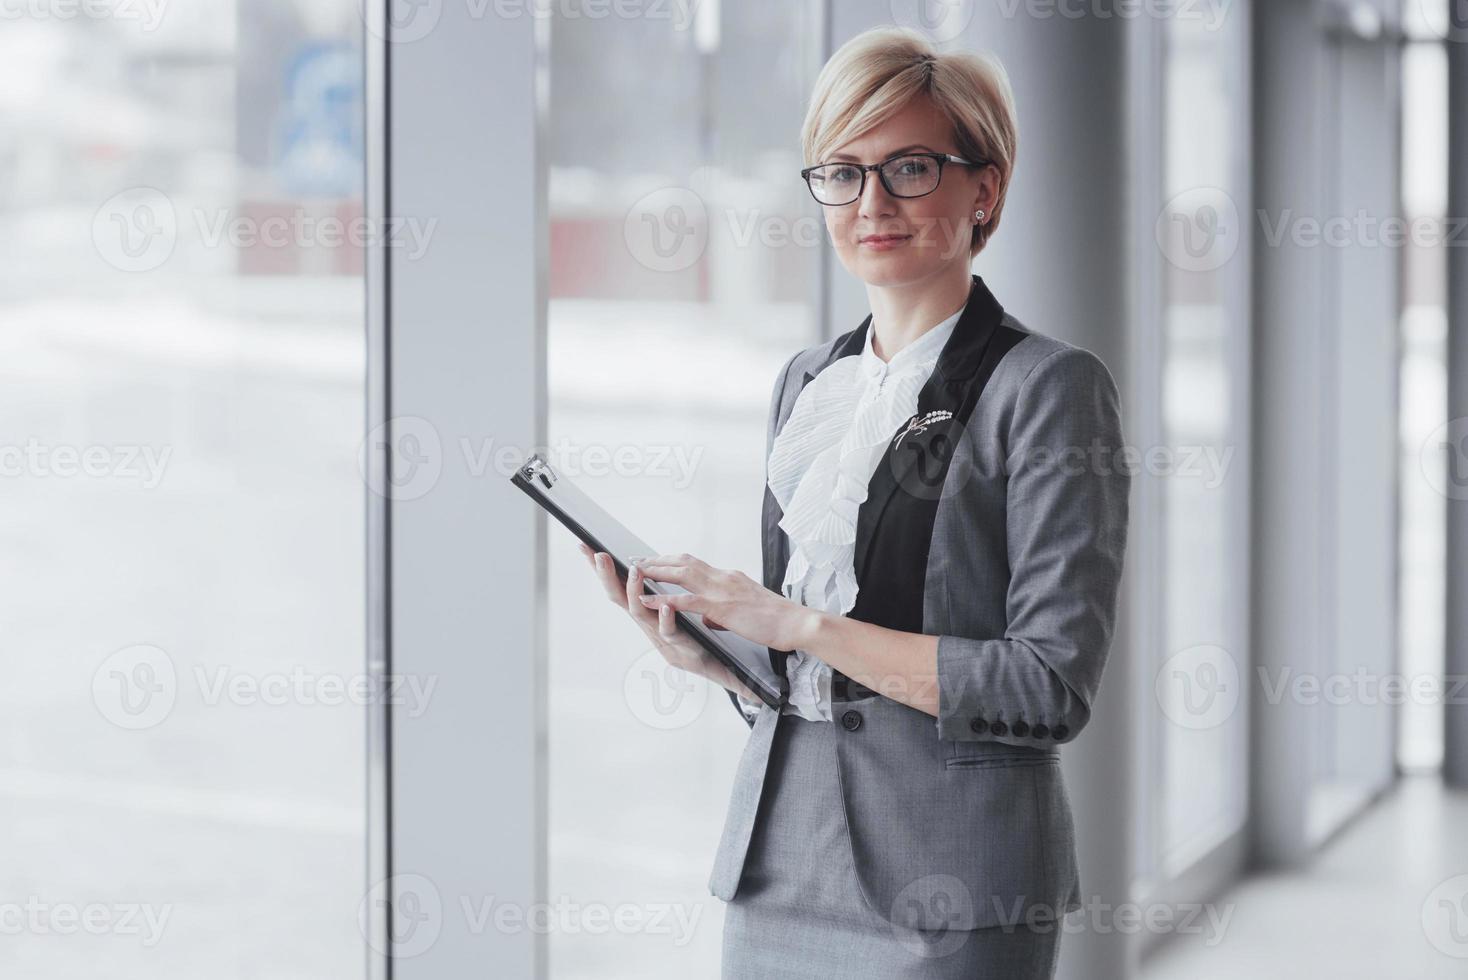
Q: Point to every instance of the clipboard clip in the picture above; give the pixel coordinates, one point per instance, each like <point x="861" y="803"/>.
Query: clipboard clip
<point x="537" y="468"/>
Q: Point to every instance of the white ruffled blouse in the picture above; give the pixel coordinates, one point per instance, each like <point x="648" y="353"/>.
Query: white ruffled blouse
<point x="819" y="467"/>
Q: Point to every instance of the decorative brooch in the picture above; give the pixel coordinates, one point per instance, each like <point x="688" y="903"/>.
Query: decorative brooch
<point x="916" y="425"/>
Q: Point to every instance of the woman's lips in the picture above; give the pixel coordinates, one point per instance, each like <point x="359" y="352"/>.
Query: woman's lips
<point x="880" y="243"/>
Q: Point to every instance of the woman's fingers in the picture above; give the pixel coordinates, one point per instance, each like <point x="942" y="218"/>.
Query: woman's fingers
<point x="692" y="573"/>
<point x="646" y="617"/>
<point x="611" y="582"/>
<point x="657" y="621"/>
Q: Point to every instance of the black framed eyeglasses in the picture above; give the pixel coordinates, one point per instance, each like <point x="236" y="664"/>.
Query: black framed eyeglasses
<point x="908" y="175"/>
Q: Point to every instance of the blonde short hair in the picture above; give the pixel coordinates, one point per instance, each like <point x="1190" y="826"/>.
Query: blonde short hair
<point x="875" y="74"/>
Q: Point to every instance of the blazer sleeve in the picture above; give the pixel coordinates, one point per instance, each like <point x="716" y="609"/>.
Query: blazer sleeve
<point x="1066" y="521"/>
<point x="749" y="710"/>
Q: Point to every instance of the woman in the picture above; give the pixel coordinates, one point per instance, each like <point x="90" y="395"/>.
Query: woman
<point x="945" y="523"/>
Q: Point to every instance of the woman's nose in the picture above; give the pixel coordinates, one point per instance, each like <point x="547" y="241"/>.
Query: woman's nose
<point x="875" y="202"/>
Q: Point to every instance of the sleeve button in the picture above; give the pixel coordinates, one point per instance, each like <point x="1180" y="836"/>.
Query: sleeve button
<point x="999" y="728"/>
<point x="1041" y="730"/>
<point x="977" y="724"/>
<point x="1021" y="728"/>
<point x="1059" y="732"/>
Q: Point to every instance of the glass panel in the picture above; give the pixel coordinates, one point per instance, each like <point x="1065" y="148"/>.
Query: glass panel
<point x="684" y="263"/>
<point x="1424" y="377"/>
<point x="1201" y="748"/>
<point x="182" y="763"/>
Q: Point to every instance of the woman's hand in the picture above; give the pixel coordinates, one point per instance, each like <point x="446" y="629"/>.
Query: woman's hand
<point x="659" y="626"/>
<point x="729" y="599"/>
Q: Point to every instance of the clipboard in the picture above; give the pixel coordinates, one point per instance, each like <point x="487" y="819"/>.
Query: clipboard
<point x="751" y="662"/>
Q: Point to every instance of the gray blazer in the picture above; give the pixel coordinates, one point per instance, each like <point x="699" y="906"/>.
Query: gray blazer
<point x="1000" y="528"/>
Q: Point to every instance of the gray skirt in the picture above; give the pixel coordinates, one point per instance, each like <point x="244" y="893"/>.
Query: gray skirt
<point x="799" y="911"/>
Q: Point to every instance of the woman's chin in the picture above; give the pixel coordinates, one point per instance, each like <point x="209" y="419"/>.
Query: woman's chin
<point x="885" y="268"/>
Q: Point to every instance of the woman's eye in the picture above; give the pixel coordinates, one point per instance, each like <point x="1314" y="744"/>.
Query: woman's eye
<point x="844" y="173"/>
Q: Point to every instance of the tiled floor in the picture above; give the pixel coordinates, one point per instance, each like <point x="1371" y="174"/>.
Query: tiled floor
<point x="1387" y="899"/>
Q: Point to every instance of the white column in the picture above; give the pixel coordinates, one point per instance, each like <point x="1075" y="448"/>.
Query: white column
<point x="457" y="359"/>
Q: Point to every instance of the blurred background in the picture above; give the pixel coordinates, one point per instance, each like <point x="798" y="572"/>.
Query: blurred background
<point x="297" y="686"/>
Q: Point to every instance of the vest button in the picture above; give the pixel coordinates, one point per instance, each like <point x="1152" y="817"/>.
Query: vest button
<point x="851" y="720"/>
